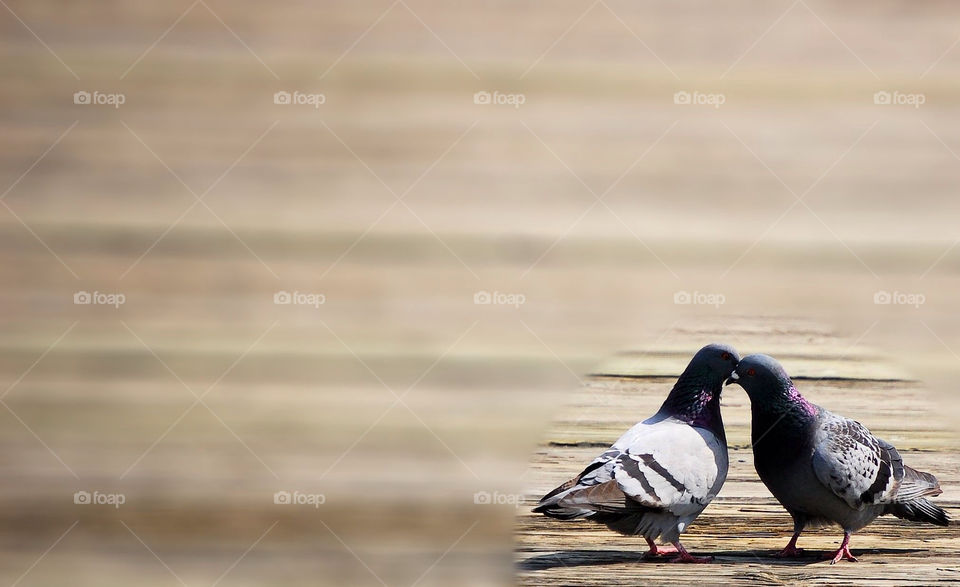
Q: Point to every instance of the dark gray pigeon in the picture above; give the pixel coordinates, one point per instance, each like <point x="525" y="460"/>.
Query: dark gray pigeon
<point x="657" y="478"/>
<point x="824" y="468"/>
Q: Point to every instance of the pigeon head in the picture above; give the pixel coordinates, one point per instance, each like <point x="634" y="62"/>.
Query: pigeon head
<point x="714" y="361"/>
<point x="696" y="395"/>
<point x="769" y="386"/>
<point x="779" y="411"/>
<point x="762" y="377"/>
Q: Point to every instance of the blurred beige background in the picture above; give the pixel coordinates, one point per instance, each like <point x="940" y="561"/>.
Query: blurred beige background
<point x="599" y="203"/>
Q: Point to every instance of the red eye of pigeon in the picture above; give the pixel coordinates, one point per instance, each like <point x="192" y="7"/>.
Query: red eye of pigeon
<point x="725" y="355"/>
<point x="751" y="372"/>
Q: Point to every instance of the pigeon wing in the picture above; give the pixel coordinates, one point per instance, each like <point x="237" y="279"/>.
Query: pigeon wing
<point x="674" y="466"/>
<point x="658" y="464"/>
<point x="855" y="465"/>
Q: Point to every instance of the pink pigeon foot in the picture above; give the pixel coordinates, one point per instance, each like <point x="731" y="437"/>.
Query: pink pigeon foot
<point x="686" y="557"/>
<point x="843" y="552"/>
<point x="656" y="550"/>
<point x="790" y="550"/>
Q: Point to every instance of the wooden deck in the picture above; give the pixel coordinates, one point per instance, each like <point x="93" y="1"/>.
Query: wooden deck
<point x="744" y="526"/>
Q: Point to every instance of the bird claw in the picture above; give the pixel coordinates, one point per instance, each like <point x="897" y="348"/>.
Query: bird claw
<point x="657" y="551"/>
<point x="841" y="554"/>
<point x="789" y="552"/>
<point x="680" y="554"/>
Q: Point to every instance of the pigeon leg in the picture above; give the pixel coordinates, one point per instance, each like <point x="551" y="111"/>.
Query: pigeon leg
<point x="844" y="551"/>
<point x="686" y="557"/>
<point x="791" y="550"/>
<point x="656" y="550"/>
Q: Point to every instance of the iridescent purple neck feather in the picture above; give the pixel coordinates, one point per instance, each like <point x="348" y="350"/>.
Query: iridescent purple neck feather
<point x="695" y="399"/>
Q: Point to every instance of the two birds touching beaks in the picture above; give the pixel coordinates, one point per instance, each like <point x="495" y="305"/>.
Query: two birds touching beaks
<point x="823" y="468"/>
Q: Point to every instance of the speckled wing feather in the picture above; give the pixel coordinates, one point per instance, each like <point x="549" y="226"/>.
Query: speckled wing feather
<point x="854" y="464"/>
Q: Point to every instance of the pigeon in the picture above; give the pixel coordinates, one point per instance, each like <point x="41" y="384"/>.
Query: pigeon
<point x="824" y="468"/>
<point x="657" y="478"/>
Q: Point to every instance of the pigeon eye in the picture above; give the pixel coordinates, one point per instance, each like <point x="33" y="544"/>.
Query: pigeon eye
<point x="725" y="355"/>
<point x="751" y="372"/>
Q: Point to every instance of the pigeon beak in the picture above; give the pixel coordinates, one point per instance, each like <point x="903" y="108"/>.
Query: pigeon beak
<point x="733" y="378"/>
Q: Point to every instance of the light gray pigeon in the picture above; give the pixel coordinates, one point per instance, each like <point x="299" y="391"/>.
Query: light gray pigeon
<point x="657" y="478"/>
<point x="824" y="468"/>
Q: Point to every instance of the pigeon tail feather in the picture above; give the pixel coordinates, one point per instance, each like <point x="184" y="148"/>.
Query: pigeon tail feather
<point x="916" y="484"/>
<point x="919" y="510"/>
<point x="586" y="501"/>
<point x="558" y="513"/>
